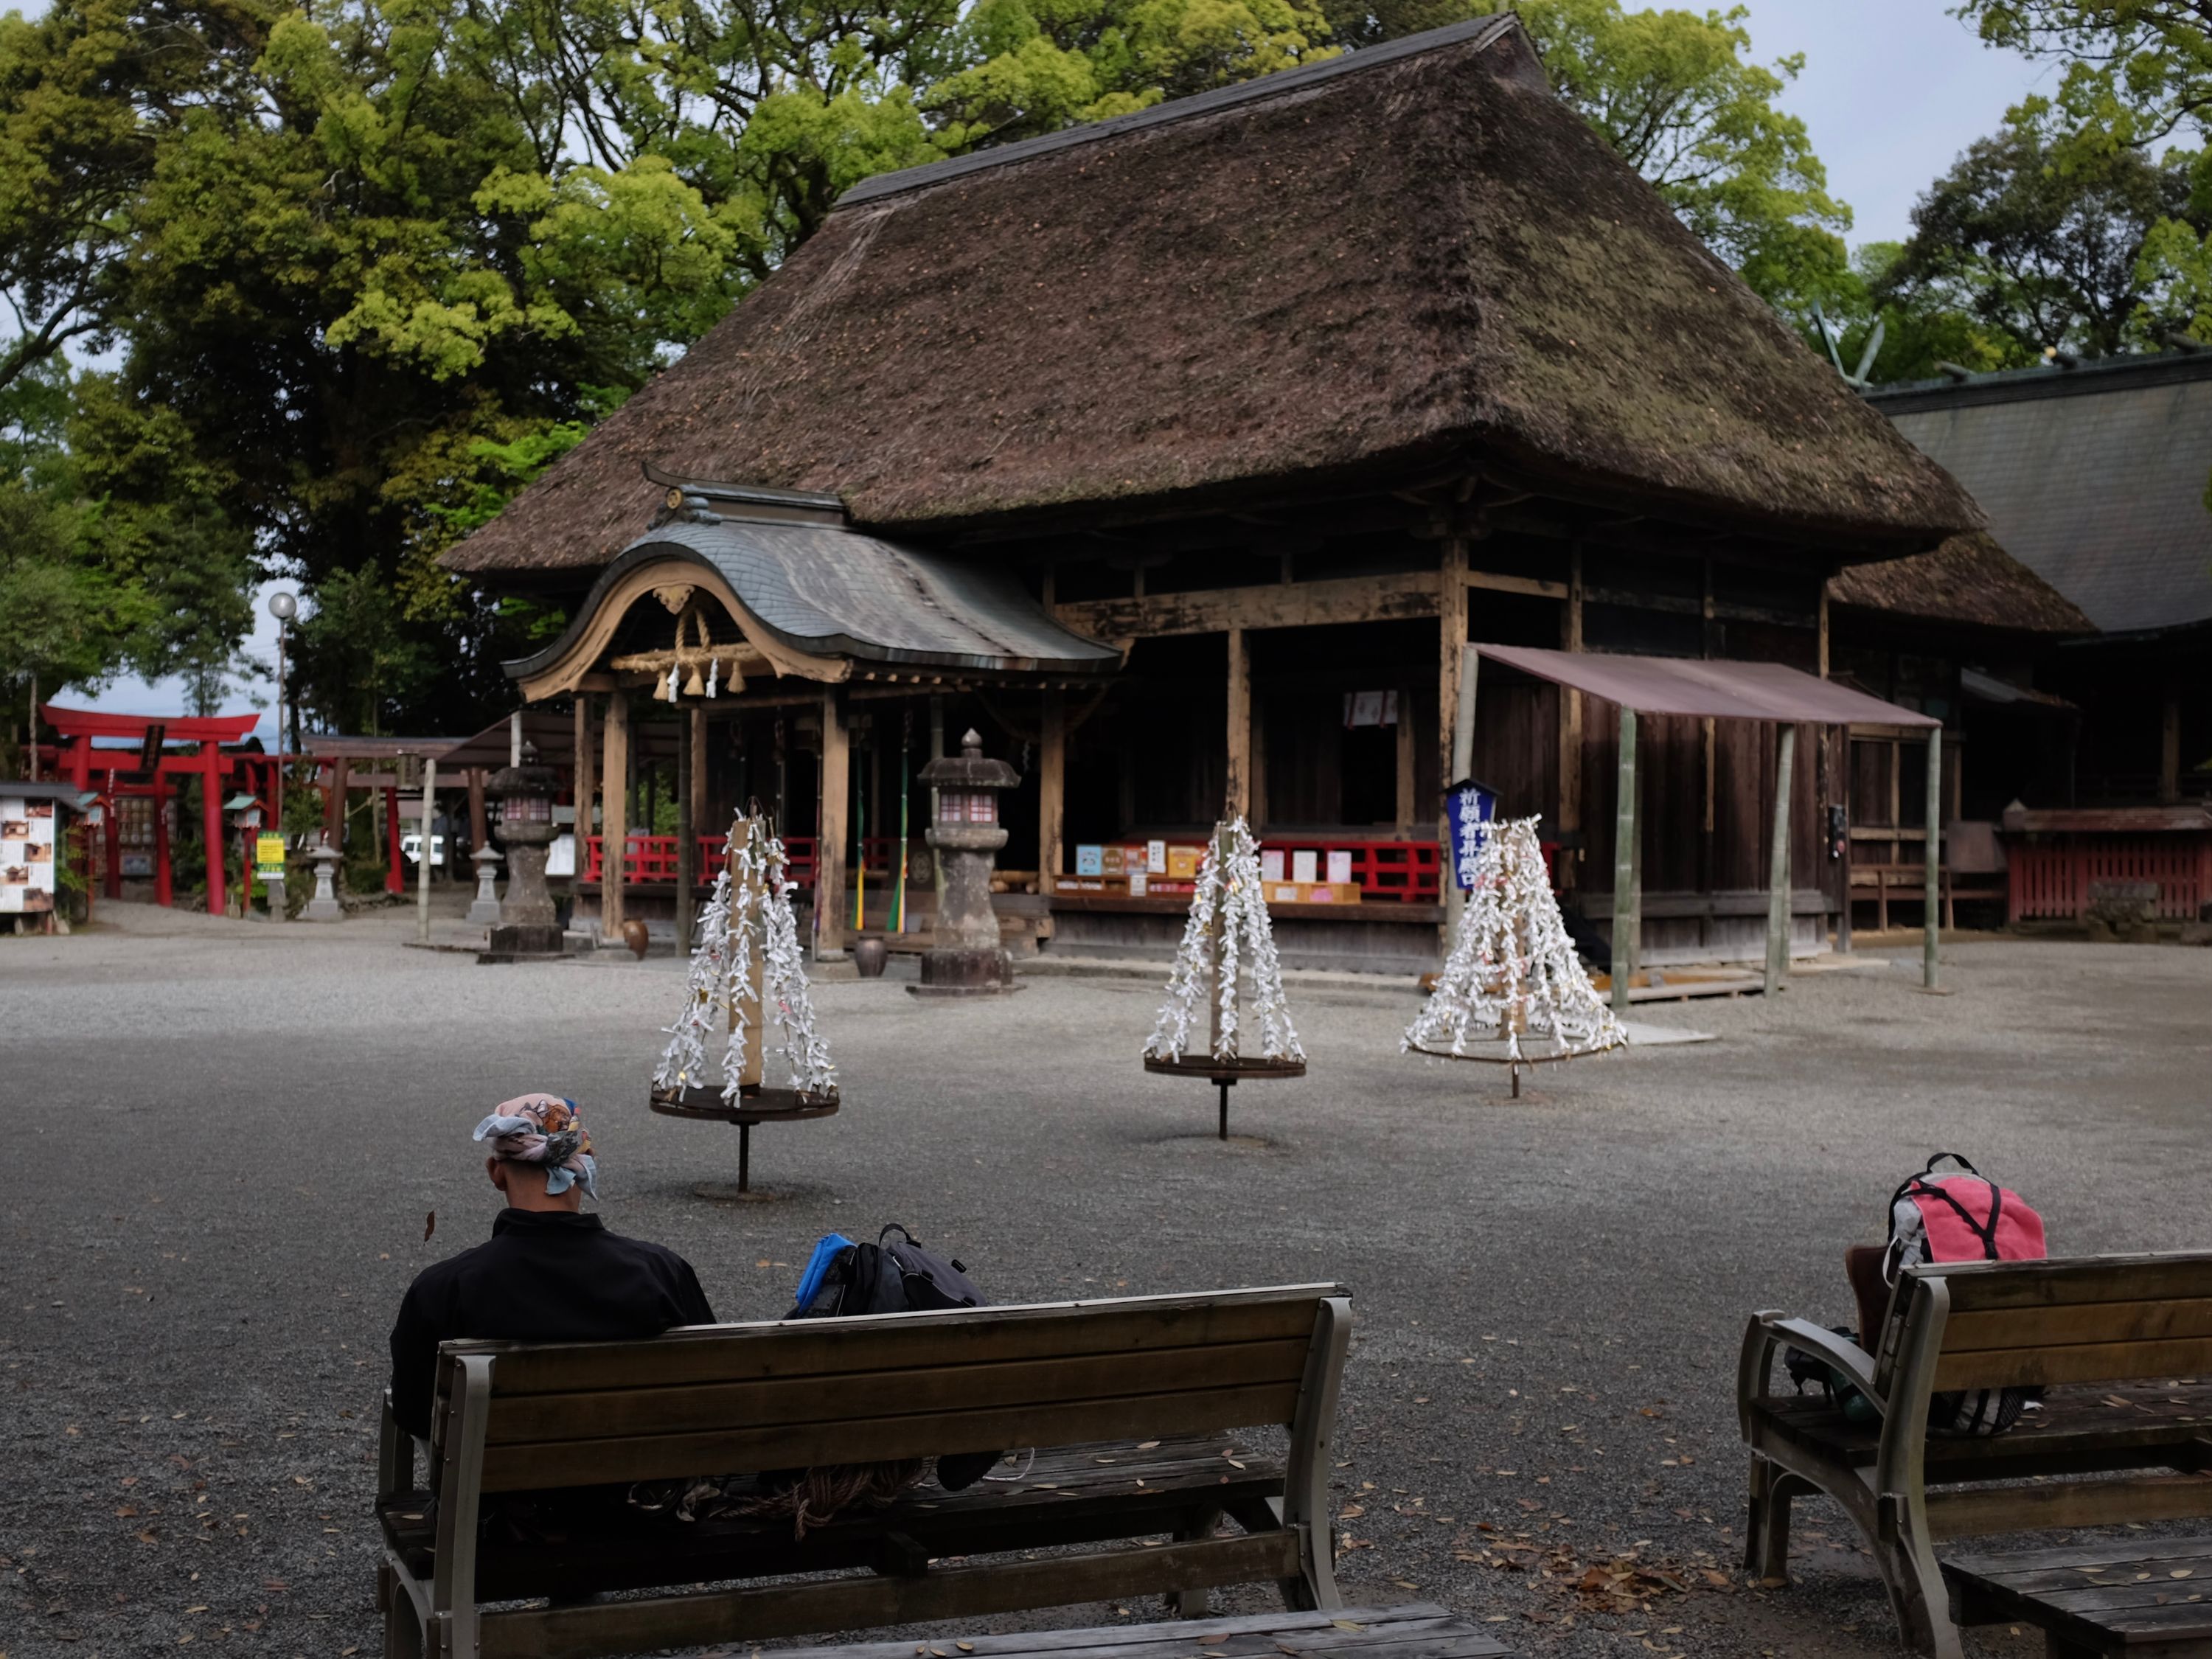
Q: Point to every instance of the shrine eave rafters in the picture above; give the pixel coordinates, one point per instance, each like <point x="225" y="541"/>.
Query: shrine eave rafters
<point x="812" y="602"/>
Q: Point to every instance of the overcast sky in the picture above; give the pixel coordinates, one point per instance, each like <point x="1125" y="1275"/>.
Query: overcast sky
<point x="1893" y="91"/>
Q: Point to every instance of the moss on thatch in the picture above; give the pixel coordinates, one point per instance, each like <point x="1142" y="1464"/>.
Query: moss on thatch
<point x="1415" y="255"/>
<point x="1969" y="578"/>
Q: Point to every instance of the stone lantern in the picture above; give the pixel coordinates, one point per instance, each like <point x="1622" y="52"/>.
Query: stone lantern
<point x="323" y="905"/>
<point x="526" y="928"/>
<point x="967" y="958"/>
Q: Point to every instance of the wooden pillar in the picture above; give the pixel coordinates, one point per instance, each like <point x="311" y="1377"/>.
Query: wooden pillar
<point x="614" y="796"/>
<point x="111" y="828"/>
<point x="1626" y="920"/>
<point x="1052" y="790"/>
<point x="585" y="776"/>
<point x="936" y="753"/>
<point x="1409" y="810"/>
<point x="479" y="829"/>
<point x="1823" y="642"/>
<point x="395" y="881"/>
<point x="686" y="768"/>
<point x="1933" y="877"/>
<point x="1237" y="781"/>
<point x="2169" y="747"/>
<point x="335" y="805"/>
<point x="700" y="768"/>
<point x="428" y="845"/>
<point x="1778" y="862"/>
<point x="165" y="879"/>
<point x="831" y="826"/>
<point x="211" y="824"/>
<point x="1452" y="625"/>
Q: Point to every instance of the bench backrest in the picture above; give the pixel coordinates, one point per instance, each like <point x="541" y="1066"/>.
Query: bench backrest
<point x="2089" y="1319"/>
<point x="728" y="1399"/>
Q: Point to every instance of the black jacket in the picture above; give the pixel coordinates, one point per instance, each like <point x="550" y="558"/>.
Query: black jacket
<point x="545" y="1276"/>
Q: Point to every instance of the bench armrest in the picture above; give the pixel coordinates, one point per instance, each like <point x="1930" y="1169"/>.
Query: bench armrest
<point x="1769" y="1330"/>
<point x="395" y="1454"/>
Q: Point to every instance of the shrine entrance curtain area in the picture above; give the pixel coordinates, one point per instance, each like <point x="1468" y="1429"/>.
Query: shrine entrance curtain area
<point x="1715" y="690"/>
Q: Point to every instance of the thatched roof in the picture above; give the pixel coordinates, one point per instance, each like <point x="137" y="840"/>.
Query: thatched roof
<point x="1411" y="255"/>
<point x="1970" y="579"/>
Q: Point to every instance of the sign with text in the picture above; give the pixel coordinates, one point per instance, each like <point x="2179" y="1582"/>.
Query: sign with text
<point x="1472" y="808"/>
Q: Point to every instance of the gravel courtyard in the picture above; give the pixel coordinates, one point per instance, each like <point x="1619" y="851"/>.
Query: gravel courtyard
<point x="225" y="1139"/>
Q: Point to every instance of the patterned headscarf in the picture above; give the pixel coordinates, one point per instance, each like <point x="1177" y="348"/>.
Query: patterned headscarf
<point x="544" y="1129"/>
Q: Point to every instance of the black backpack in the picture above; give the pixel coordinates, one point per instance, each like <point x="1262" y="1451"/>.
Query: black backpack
<point x="901" y="1277"/>
<point x="890" y="1278"/>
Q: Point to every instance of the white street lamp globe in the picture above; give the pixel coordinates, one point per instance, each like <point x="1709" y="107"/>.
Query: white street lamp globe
<point x="283" y="606"/>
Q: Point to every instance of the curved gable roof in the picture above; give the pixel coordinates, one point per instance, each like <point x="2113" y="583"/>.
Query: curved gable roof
<point x="1407" y="255"/>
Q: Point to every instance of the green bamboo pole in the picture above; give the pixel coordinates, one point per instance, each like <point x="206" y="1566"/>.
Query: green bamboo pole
<point x="1624" y="866"/>
<point x="1777" y="864"/>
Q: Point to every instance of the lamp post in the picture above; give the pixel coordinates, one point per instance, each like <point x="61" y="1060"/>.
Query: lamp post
<point x="283" y="606"/>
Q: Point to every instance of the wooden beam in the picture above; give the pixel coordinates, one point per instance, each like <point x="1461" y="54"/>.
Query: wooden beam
<point x="1502" y="584"/>
<point x="614" y="814"/>
<point x="1052" y="790"/>
<point x="1777" y="863"/>
<point x="1237" y="783"/>
<point x="1276" y="605"/>
<point x="837" y="784"/>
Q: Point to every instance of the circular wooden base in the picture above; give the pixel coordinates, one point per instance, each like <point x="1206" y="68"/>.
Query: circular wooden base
<point x="1224" y="1074"/>
<point x="1516" y="1063"/>
<point x="764" y="1105"/>
<point x="758" y="1105"/>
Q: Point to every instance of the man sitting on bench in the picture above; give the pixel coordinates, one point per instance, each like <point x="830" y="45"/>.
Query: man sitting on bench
<point x="549" y="1272"/>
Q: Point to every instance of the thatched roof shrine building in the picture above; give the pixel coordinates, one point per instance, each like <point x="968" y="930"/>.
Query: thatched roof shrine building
<point x="1198" y="442"/>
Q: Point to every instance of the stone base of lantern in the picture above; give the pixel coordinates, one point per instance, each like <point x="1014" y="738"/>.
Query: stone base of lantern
<point x="965" y="973"/>
<point x="526" y="941"/>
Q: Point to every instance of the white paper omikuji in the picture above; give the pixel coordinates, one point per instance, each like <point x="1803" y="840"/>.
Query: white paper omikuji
<point x="1513" y="953"/>
<point x="1228" y="896"/>
<point x="752" y="896"/>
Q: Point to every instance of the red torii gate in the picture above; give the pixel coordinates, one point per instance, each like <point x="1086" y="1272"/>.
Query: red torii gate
<point x="77" y="727"/>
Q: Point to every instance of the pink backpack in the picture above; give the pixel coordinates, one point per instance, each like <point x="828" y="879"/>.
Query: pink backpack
<point x="1960" y="1215"/>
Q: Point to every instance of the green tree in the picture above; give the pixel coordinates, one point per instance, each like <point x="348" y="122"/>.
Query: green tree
<point x="2045" y="248"/>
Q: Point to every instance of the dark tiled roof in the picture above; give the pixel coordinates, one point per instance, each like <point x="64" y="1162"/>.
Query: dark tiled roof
<point x="2093" y="478"/>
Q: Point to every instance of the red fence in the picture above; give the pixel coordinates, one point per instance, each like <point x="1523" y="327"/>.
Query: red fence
<point x="1404" y="872"/>
<point x="647" y="859"/>
<point x="2051" y="879"/>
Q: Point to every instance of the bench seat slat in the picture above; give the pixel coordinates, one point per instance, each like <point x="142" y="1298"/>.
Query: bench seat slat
<point x="1384" y="1633"/>
<point x="2074" y="1424"/>
<point x="2103" y="1598"/>
<point x="1979" y="1511"/>
<point x="523" y="1466"/>
<point x="698" y="1407"/>
<point x="841" y="1349"/>
<point x="2008" y="1565"/>
<point x="762" y="1612"/>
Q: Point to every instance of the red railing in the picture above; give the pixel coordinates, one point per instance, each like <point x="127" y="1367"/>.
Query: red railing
<point x="647" y="859"/>
<point x="1402" y="872"/>
<point x="2051" y="879"/>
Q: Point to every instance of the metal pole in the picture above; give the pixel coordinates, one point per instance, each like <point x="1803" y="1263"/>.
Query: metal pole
<point x="1462" y="762"/>
<point x="423" y="857"/>
<point x="1623" y="865"/>
<point x="1778" y="864"/>
<point x="1935" y="845"/>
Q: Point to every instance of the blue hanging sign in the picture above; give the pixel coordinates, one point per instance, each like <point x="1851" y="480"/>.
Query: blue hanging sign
<point x="1472" y="807"/>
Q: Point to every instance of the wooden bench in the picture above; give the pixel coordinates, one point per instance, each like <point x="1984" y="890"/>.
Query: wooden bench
<point x="2143" y="1597"/>
<point x="2111" y="1444"/>
<point x="1128" y="1403"/>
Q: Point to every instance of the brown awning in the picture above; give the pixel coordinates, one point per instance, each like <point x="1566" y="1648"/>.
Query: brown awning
<point x="1719" y="690"/>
